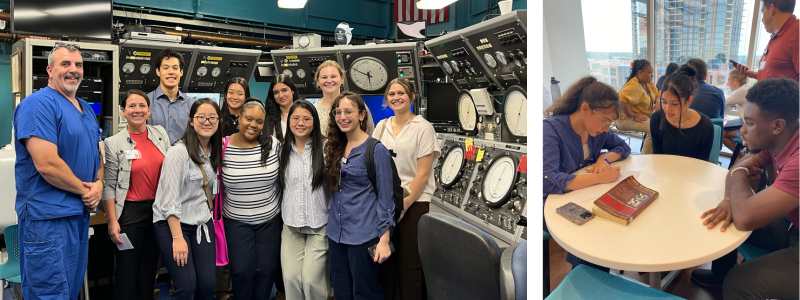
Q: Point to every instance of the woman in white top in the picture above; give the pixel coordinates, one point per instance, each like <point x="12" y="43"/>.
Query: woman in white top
<point x="413" y="140"/>
<point x="251" y="207"/>
<point x="282" y="93"/>
<point x="304" y="245"/>
<point x="739" y="87"/>
<point x="181" y="212"/>
<point x="329" y="77"/>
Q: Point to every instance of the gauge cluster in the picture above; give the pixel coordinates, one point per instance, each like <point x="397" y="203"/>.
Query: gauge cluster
<point x="137" y="61"/>
<point x="301" y="66"/>
<point x="369" y="68"/>
<point x="453" y="172"/>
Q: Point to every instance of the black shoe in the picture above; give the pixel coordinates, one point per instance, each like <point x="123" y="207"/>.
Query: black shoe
<point x="707" y="278"/>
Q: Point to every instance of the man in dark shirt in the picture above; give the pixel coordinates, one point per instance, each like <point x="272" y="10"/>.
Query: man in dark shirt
<point x="708" y="99"/>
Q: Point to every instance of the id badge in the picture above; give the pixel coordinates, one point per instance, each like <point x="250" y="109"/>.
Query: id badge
<point x="762" y="64"/>
<point x="215" y="187"/>
<point x="133" y="154"/>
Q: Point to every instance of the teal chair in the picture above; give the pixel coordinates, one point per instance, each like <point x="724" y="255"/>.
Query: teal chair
<point x="750" y="252"/>
<point x="714" y="157"/>
<point x="585" y="282"/>
<point x="9" y="271"/>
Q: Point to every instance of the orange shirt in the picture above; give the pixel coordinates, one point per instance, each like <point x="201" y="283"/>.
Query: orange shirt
<point x="144" y="171"/>
<point x="781" y="58"/>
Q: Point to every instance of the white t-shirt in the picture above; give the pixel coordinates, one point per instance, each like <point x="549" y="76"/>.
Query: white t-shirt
<point x="737" y="98"/>
<point x="417" y="139"/>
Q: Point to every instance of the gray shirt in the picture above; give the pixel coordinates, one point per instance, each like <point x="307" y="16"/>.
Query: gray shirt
<point x="302" y="206"/>
<point x="172" y="115"/>
<point x="180" y="189"/>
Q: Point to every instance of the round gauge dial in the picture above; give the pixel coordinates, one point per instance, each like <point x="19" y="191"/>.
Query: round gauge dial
<point x="515" y="111"/>
<point x="144" y="69"/>
<point x="490" y="60"/>
<point x="303" y="41"/>
<point x="215" y="72"/>
<point x="447" y="68"/>
<point x="501" y="57"/>
<point x="287" y="72"/>
<point x="467" y="114"/>
<point x="202" y="71"/>
<point x="301" y="73"/>
<point x="455" y="65"/>
<point x="369" y="73"/>
<point x="451" y="167"/>
<point x="499" y="179"/>
<point x="128" y="68"/>
<point x="497" y="119"/>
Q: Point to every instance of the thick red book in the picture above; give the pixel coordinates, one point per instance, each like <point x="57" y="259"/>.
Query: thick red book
<point x="625" y="201"/>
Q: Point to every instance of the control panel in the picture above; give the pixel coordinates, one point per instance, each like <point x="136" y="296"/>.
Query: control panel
<point x="213" y="67"/>
<point x="369" y="68"/>
<point x="501" y="43"/>
<point x="301" y="66"/>
<point x="491" y="127"/>
<point x="137" y="64"/>
<point x="453" y="172"/>
<point x="459" y="63"/>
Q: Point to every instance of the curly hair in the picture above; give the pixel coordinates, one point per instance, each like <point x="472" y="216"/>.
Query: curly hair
<point x="167" y="54"/>
<point x="776" y="98"/>
<point x="337" y="140"/>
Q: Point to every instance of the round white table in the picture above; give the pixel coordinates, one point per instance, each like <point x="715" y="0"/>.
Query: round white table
<point x="669" y="235"/>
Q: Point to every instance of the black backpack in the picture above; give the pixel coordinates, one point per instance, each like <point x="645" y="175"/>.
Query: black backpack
<point x="397" y="186"/>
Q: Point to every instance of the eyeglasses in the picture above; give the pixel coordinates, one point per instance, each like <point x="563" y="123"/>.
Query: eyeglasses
<point x="605" y="124"/>
<point x="60" y="45"/>
<point x="203" y="119"/>
<point x="347" y="112"/>
<point x="306" y="120"/>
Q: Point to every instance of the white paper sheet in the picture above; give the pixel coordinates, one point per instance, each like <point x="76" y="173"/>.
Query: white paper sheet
<point x="126" y="242"/>
<point x="596" y="191"/>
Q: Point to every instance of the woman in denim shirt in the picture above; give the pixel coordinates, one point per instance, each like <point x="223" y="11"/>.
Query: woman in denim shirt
<point x="359" y="217"/>
<point x="577" y="130"/>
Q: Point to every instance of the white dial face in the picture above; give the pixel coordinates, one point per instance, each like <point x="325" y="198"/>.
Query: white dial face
<point x="515" y="109"/>
<point x="128" y="68"/>
<point x="303" y="41"/>
<point x="215" y="72"/>
<point x="369" y="74"/>
<point x="301" y="73"/>
<point x="447" y="68"/>
<point x="287" y="72"/>
<point x="145" y="68"/>
<point x="501" y="57"/>
<point x="466" y="112"/>
<point x="451" y="166"/>
<point x="499" y="179"/>
<point x="490" y="60"/>
<point x="455" y="65"/>
<point x="202" y="71"/>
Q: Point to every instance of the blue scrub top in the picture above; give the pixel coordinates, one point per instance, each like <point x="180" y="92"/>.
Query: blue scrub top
<point x="50" y="116"/>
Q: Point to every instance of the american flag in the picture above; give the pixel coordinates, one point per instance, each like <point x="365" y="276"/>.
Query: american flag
<point x="406" y="10"/>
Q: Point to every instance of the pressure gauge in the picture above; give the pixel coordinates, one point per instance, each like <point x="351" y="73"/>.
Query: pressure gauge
<point x="144" y="69"/>
<point x="447" y="68"/>
<point x="501" y="57"/>
<point x="287" y="72"/>
<point x="202" y="71"/>
<point x="455" y="65"/>
<point x="467" y="114"/>
<point x="128" y="68"/>
<point x="215" y="72"/>
<point x="515" y="111"/>
<point x="369" y="73"/>
<point x="498" y="180"/>
<point x="452" y="165"/>
<point x="303" y="41"/>
<point x="490" y="60"/>
<point x="301" y="73"/>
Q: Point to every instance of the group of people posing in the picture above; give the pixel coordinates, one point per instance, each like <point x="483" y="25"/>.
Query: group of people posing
<point x="297" y="204"/>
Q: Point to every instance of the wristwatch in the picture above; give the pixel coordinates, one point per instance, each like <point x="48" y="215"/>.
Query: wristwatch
<point x="101" y="181"/>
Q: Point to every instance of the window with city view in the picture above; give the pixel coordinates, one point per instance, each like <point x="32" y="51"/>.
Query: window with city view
<point x="608" y="28"/>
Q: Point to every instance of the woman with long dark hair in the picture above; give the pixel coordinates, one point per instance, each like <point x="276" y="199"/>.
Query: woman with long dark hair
<point x="282" y="93"/>
<point x="638" y="99"/>
<point x="237" y="90"/>
<point x="677" y="129"/>
<point x="182" y="212"/>
<point x="361" y="216"/>
<point x="304" y="246"/>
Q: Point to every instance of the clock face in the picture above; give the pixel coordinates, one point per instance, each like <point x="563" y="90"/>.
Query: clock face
<point x="145" y="68"/>
<point x="369" y="74"/>
<point x="301" y="73"/>
<point x="215" y="72"/>
<point x="490" y="60"/>
<point x="501" y="57"/>
<point x="453" y="162"/>
<point x="202" y="71"/>
<point x="467" y="115"/>
<point x="447" y="68"/>
<point x="515" y="110"/>
<point x="287" y="72"/>
<point x="303" y="41"/>
<point x="499" y="180"/>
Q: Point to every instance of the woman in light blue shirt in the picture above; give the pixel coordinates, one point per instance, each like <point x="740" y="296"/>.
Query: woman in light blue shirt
<point x="304" y="246"/>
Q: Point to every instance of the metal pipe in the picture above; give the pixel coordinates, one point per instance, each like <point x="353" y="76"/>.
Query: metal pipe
<point x="5" y="16"/>
<point x="212" y="37"/>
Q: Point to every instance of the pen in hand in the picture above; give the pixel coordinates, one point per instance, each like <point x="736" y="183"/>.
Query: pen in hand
<point x="606" y="159"/>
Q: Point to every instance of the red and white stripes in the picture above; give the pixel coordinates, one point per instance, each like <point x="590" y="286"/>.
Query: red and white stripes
<point x="406" y="10"/>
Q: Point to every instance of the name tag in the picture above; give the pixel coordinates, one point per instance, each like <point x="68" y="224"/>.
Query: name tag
<point x="762" y="64"/>
<point x="133" y="154"/>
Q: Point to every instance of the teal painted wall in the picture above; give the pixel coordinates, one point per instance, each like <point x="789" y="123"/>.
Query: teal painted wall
<point x="6" y="112"/>
<point x="259" y="89"/>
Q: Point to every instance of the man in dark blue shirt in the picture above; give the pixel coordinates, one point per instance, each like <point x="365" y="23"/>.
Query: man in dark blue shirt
<point x="708" y="99"/>
<point x="58" y="176"/>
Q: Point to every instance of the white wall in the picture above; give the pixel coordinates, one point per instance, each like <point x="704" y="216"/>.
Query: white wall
<point x="564" y="43"/>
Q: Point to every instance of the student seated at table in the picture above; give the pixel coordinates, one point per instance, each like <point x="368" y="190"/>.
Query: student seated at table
<point x="677" y="129"/>
<point x="771" y="131"/>
<point x="574" y="135"/>
<point x="737" y="82"/>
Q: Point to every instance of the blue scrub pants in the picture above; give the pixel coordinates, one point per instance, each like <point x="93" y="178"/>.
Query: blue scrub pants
<point x="53" y="256"/>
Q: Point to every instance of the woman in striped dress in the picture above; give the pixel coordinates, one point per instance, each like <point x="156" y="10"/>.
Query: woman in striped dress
<point x="252" y="208"/>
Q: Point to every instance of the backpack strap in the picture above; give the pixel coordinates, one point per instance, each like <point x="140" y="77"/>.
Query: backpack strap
<point x="370" y="162"/>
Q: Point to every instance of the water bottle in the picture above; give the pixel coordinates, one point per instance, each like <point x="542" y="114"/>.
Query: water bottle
<point x="555" y="90"/>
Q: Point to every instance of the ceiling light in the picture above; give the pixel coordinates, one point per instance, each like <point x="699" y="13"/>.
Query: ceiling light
<point x="434" y="4"/>
<point x="292" y="3"/>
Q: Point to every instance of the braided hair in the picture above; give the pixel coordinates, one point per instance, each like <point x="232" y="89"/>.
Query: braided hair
<point x="637" y="66"/>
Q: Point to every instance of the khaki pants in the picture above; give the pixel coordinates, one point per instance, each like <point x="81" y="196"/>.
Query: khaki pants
<point x="631" y="125"/>
<point x="304" y="259"/>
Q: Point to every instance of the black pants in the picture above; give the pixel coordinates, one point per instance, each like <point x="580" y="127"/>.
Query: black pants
<point x="401" y="274"/>
<point x="196" y="278"/>
<point x="135" y="272"/>
<point x="254" y="252"/>
<point x="353" y="272"/>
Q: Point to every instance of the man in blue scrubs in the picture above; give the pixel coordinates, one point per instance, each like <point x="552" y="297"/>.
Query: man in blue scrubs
<point x="58" y="179"/>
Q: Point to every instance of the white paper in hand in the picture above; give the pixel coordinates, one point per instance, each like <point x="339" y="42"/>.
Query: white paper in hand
<point x="126" y="243"/>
